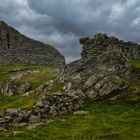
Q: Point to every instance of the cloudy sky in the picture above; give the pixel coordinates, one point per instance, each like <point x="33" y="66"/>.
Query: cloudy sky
<point x="62" y="22"/>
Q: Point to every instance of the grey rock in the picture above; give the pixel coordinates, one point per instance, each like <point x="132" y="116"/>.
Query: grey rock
<point x="12" y="86"/>
<point x="31" y="126"/>
<point x="23" y="124"/>
<point x="12" y="111"/>
<point x="99" y="71"/>
<point x="24" y="87"/>
<point x="39" y="104"/>
<point x="81" y="112"/>
<point x="8" y="87"/>
<point x="34" y="119"/>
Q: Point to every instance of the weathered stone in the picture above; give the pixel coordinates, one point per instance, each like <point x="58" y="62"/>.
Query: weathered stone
<point x="81" y="113"/>
<point x="23" y="124"/>
<point x="8" y="87"/>
<point x="39" y="104"/>
<point x="83" y="40"/>
<point x="101" y="68"/>
<point x="12" y="85"/>
<point x="12" y="111"/>
<point x="24" y="87"/>
<point x="34" y="119"/>
<point x="31" y="126"/>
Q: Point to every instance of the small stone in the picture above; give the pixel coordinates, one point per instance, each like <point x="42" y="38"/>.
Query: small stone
<point x="17" y="132"/>
<point x="31" y="126"/>
<point x="23" y="124"/>
<point x="34" y="119"/>
<point x="24" y="87"/>
<point x="39" y="104"/>
<point x="2" y="129"/>
<point x="12" y="111"/>
<point x="81" y="113"/>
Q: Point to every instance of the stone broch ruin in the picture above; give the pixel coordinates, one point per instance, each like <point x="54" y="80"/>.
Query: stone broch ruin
<point x="17" y="48"/>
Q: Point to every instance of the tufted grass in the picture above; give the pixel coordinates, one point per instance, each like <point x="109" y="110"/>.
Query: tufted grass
<point x="112" y="120"/>
<point x="16" y="102"/>
<point x="45" y="73"/>
<point x="38" y="79"/>
<point x="117" y="120"/>
<point x="35" y="79"/>
<point x="135" y="63"/>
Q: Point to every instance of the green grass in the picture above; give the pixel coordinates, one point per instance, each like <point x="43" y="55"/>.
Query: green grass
<point x="134" y="82"/>
<point x="16" y="102"/>
<point x="5" y="71"/>
<point x="119" y="120"/>
<point x="57" y="86"/>
<point x="35" y="79"/>
<point x="39" y="78"/>
<point x="135" y="63"/>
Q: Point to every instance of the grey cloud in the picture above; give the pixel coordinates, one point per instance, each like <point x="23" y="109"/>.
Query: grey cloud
<point x="62" y="22"/>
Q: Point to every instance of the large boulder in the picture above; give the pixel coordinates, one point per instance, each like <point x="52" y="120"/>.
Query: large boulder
<point x="11" y="87"/>
<point x="103" y="69"/>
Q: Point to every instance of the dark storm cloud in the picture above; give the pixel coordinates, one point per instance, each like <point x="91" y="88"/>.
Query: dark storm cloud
<point x="62" y="22"/>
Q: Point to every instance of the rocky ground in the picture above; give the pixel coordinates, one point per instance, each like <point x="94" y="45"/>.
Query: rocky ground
<point x="108" y="70"/>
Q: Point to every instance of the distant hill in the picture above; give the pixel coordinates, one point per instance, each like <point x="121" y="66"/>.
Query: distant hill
<point x="16" y="48"/>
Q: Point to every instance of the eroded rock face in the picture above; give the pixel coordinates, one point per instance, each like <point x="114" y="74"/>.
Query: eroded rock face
<point x="12" y="86"/>
<point x="103" y="68"/>
<point x="15" y="48"/>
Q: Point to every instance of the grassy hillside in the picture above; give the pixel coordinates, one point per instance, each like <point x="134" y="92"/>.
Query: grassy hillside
<point x="36" y="79"/>
<point x="113" y="120"/>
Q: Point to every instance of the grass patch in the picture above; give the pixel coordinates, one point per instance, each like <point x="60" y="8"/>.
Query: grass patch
<point x="57" y="86"/>
<point x="36" y="79"/>
<point x="16" y="102"/>
<point x="118" y="120"/>
<point x="134" y="82"/>
<point x="105" y="121"/>
<point x="44" y="74"/>
<point x="135" y="63"/>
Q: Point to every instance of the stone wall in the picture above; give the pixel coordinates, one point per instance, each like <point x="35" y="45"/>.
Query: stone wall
<point x="17" y="48"/>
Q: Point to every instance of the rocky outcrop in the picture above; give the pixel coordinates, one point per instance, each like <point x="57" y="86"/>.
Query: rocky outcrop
<point x="16" y="48"/>
<point x="103" y="70"/>
<point x="12" y="85"/>
<point x="102" y="73"/>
